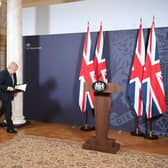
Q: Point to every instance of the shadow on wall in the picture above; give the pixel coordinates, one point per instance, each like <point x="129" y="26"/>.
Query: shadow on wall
<point x="46" y="108"/>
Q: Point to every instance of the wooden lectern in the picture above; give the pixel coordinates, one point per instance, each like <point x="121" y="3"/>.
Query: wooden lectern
<point x="101" y="142"/>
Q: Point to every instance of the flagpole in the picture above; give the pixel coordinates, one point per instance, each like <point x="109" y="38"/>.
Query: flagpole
<point x="137" y="132"/>
<point x="86" y="127"/>
<point x="150" y="135"/>
<point x="86" y="67"/>
<point x="159" y="100"/>
<point x="137" y="125"/>
<point x="136" y="73"/>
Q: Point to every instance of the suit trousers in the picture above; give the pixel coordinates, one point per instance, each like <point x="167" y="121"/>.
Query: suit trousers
<point x="7" y="110"/>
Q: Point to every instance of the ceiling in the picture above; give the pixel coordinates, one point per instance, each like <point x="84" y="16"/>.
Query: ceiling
<point x="30" y="3"/>
<point x="25" y="3"/>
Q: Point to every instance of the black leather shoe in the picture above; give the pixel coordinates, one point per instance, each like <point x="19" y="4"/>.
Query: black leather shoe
<point x="11" y="131"/>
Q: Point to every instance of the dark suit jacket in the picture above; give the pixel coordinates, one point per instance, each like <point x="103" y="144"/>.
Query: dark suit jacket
<point x="5" y="82"/>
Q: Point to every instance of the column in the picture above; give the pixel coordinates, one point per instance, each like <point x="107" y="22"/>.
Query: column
<point x="14" y="53"/>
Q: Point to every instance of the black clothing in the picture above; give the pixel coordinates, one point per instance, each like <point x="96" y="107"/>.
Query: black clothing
<point x="7" y="96"/>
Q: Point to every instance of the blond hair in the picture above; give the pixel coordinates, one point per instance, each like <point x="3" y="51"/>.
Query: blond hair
<point x="13" y="65"/>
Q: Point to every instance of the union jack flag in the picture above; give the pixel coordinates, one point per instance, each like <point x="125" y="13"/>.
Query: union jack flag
<point x="135" y="81"/>
<point x="87" y="74"/>
<point x="99" y="61"/>
<point x="152" y="92"/>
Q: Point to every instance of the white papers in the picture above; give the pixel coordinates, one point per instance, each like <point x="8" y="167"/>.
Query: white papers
<point x="21" y="87"/>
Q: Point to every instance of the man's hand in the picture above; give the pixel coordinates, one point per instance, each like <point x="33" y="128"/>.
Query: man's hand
<point x="11" y="89"/>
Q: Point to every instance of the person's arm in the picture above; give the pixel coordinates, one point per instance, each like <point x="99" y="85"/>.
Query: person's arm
<point x="15" y="83"/>
<point x="3" y="87"/>
<point x="15" y="79"/>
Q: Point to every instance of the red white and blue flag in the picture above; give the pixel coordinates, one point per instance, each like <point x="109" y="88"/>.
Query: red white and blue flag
<point x="99" y="61"/>
<point x="135" y="81"/>
<point x="87" y="74"/>
<point x="152" y="92"/>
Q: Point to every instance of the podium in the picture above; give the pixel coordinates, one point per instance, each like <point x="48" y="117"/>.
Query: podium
<point x="101" y="142"/>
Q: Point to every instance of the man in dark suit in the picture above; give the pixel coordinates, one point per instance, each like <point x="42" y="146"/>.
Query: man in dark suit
<point x="7" y="85"/>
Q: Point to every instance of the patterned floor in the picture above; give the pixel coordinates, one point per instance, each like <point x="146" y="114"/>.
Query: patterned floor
<point x="25" y="151"/>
